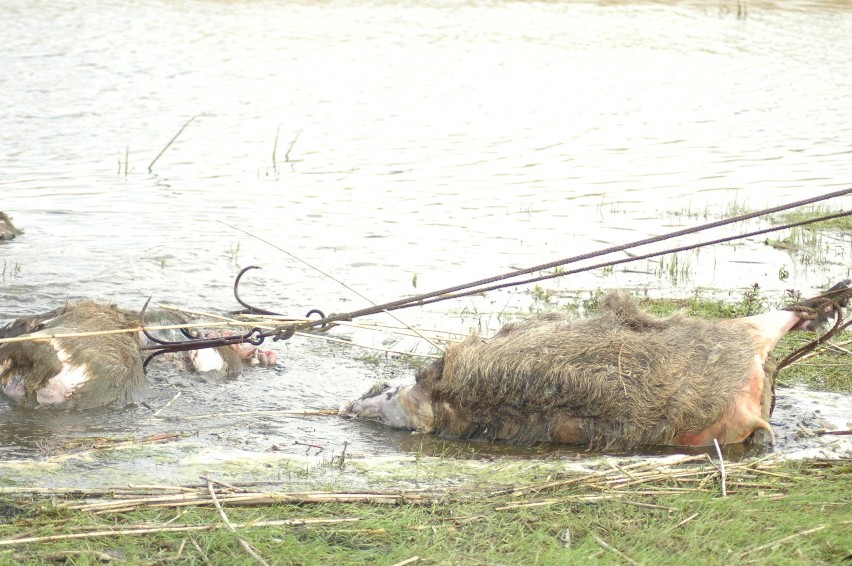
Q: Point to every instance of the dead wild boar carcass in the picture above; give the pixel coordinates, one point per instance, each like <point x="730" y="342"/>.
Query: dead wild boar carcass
<point x="82" y="372"/>
<point x="622" y="380"/>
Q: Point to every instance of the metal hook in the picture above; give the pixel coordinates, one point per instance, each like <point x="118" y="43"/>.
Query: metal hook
<point x="145" y="330"/>
<point x="254" y="310"/>
<point x="248" y="308"/>
<point x="255" y="337"/>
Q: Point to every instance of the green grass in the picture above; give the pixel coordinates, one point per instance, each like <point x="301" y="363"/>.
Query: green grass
<point x="842" y="224"/>
<point x="800" y="514"/>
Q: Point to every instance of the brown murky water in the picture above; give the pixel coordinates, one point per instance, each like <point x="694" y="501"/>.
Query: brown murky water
<point x="392" y="144"/>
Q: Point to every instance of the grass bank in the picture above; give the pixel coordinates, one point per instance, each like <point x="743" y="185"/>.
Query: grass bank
<point x="657" y="511"/>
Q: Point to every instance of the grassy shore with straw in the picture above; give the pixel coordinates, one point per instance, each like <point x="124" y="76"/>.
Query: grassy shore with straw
<point x="668" y="510"/>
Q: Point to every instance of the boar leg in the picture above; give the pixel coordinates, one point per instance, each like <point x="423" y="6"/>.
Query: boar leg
<point x="747" y="412"/>
<point x="744" y="416"/>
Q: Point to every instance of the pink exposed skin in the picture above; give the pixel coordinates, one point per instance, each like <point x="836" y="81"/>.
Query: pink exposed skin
<point x="58" y="389"/>
<point x="407" y="407"/>
<point x="81" y="374"/>
<point x="743" y="417"/>
<point x="61" y="387"/>
<point x="250" y="354"/>
<point x="744" y="413"/>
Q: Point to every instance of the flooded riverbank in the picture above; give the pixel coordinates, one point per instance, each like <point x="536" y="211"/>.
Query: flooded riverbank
<point x="399" y="148"/>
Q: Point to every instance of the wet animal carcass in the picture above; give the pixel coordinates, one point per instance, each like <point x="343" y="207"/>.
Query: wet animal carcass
<point x="7" y="229"/>
<point x="621" y="380"/>
<point x="93" y="371"/>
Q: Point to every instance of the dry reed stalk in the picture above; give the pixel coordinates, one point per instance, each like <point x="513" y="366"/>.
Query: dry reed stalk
<point x="160" y="487"/>
<point x="74" y="491"/>
<point x="294" y="413"/>
<point x="650" y="506"/>
<point x="48" y="337"/>
<point x="200" y="498"/>
<point x="106" y="444"/>
<point x="753" y="484"/>
<point x="144" y="501"/>
<point x="615" y="551"/>
<point x="463" y="518"/>
<point x="223" y="484"/>
<point x="518" y="491"/>
<point x="212" y="527"/>
<point x="722" y="472"/>
<point x="111" y="532"/>
<point x="623" y="470"/>
<point x="552" y="501"/>
<point x="654" y="477"/>
<point x="362" y="531"/>
<point x="777" y="475"/>
<point x="164" y="407"/>
<point x="781" y="540"/>
<point x="66" y="556"/>
<point x="612" y="482"/>
<point x="200" y="552"/>
<point x="177" y="516"/>
<point x="664" y="491"/>
<point x="542" y="503"/>
<point x="685" y="521"/>
<point x="411" y="560"/>
<point x="252" y="551"/>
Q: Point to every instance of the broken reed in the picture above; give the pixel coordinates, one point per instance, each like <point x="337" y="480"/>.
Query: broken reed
<point x="616" y="508"/>
<point x="683" y="474"/>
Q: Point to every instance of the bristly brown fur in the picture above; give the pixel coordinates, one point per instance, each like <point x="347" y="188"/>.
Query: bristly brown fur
<point x="632" y="378"/>
<point x="113" y="361"/>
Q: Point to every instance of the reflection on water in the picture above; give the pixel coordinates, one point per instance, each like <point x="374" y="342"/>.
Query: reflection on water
<point x="401" y="148"/>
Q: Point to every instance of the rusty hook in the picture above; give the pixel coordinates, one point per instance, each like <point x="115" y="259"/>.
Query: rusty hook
<point x="254" y="310"/>
<point x="248" y="308"/>
<point x="255" y="337"/>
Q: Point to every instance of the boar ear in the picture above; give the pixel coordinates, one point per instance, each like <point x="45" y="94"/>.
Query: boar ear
<point x="377" y="389"/>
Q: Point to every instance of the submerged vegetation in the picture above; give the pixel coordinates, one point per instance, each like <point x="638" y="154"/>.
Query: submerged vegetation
<point x="807" y="243"/>
<point x="841" y="224"/>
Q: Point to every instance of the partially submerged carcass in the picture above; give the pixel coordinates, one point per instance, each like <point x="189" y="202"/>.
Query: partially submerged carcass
<point x="621" y="380"/>
<point x="82" y="372"/>
<point x="7" y="229"/>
